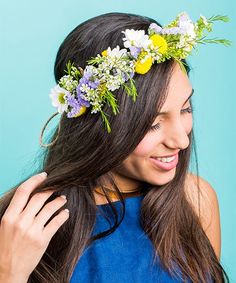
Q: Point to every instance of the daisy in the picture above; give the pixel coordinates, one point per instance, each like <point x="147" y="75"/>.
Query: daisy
<point x="58" y="96"/>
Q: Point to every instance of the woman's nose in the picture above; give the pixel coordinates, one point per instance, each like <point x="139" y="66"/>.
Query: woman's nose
<point x="176" y="136"/>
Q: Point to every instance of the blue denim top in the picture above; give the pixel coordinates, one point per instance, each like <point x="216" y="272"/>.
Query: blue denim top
<point x="124" y="256"/>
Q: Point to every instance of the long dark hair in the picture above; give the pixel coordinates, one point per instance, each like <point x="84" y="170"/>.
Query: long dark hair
<point x="84" y="154"/>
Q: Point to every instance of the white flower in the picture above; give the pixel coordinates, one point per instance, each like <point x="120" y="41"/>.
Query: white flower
<point x="68" y="83"/>
<point x="116" y="52"/>
<point x="204" y="19"/>
<point x="186" y="26"/>
<point x="136" y="38"/>
<point x="114" y="83"/>
<point x="58" y="97"/>
<point x="89" y="69"/>
<point x="182" y="42"/>
<point x="85" y="88"/>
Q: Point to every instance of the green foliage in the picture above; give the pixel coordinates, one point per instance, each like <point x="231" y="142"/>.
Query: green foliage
<point x="111" y="100"/>
<point x="106" y="122"/>
<point x="95" y="60"/>
<point x="219" y="18"/>
<point x="226" y="42"/>
<point x="131" y="90"/>
<point x="71" y="70"/>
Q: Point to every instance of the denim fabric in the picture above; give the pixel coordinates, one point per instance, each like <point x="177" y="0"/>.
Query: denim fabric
<point x="125" y="256"/>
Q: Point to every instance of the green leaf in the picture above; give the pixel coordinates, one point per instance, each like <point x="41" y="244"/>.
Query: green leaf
<point x="226" y="42"/>
<point x="68" y="67"/>
<point x="131" y="90"/>
<point x="111" y="100"/>
<point x="223" y="18"/>
<point x="106" y="122"/>
<point x="95" y="60"/>
<point x="127" y="89"/>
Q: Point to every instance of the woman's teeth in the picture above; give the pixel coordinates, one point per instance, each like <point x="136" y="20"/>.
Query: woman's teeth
<point x="165" y="159"/>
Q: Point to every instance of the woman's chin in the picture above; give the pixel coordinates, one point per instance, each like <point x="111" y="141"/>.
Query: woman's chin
<point x="163" y="178"/>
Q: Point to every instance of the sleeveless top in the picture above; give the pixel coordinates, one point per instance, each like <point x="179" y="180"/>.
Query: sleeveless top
<point x="123" y="256"/>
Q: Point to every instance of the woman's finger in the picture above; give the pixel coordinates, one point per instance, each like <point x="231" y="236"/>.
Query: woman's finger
<point x="22" y="194"/>
<point x="57" y="221"/>
<point x="48" y="210"/>
<point x="33" y="207"/>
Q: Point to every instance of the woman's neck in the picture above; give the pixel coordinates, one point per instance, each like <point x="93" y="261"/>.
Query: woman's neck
<point x="127" y="187"/>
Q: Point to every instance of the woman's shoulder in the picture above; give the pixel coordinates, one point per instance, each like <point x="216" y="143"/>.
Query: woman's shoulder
<point x="203" y="198"/>
<point x="196" y="185"/>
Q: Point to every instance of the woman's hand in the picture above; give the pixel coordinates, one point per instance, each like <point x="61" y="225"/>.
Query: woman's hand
<point x="23" y="237"/>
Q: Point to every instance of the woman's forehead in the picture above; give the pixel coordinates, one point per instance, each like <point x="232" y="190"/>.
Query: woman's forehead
<point x="166" y="104"/>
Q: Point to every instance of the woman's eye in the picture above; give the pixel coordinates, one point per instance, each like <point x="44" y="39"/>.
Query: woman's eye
<point x="188" y="110"/>
<point x="158" y="125"/>
<point x="155" y="127"/>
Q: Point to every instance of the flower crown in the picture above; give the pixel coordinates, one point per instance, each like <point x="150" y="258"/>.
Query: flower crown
<point x="92" y="87"/>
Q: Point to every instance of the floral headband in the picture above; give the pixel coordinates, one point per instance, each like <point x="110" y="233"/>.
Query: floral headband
<point x="92" y="87"/>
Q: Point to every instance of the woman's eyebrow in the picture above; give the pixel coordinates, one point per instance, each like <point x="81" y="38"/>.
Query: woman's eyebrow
<point x="164" y="113"/>
<point x="189" y="96"/>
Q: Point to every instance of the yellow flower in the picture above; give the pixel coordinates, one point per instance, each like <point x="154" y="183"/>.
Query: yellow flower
<point x="82" y="111"/>
<point x="143" y="68"/>
<point x="159" y="41"/>
<point x="104" y="53"/>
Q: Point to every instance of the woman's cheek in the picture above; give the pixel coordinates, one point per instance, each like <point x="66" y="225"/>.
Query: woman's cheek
<point x="147" y="146"/>
<point x="189" y="125"/>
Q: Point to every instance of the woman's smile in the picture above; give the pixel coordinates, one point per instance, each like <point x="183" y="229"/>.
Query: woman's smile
<point x="165" y="165"/>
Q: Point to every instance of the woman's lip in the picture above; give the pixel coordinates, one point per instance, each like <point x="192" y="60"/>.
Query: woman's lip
<point x="170" y="155"/>
<point x="167" y="165"/>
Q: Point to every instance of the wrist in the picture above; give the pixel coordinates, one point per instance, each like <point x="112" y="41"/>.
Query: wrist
<point x="6" y="278"/>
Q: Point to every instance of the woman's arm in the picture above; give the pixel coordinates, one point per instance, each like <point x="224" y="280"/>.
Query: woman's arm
<point x="209" y="209"/>
<point x="8" y="279"/>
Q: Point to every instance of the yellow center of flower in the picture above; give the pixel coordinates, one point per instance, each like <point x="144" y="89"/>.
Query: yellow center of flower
<point x="61" y="98"/>
<point x="104" y="53"/>
<point x="160" y="42"/>
<point x="82" y="111"/>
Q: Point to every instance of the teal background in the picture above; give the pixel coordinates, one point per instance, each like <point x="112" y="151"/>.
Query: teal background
<point x="31" y="32"/>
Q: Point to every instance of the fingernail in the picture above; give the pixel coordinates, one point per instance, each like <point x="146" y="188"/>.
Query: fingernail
<point x="43" y="174"/>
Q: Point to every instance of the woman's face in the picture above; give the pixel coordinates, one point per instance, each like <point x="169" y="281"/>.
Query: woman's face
<point x="167" y="139"/>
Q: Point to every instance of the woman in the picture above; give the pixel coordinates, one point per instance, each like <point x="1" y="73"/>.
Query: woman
<point x="165" y="211"/>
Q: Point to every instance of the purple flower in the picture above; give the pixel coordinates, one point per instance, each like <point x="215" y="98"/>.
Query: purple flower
<point x="172" y="30"/>
<point x="80" y="100"/>
<point x="74" y="111"/>
<point x="134" y="51"/>
<point x="89" y="80"/>
<point x="132" y="74"/>
<point x="125" y="76"/>
<point x="72" y="101"/>
<point x="155" y="27"/>
<point x="75" y="105"/>
<point x="94" y="84"/>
